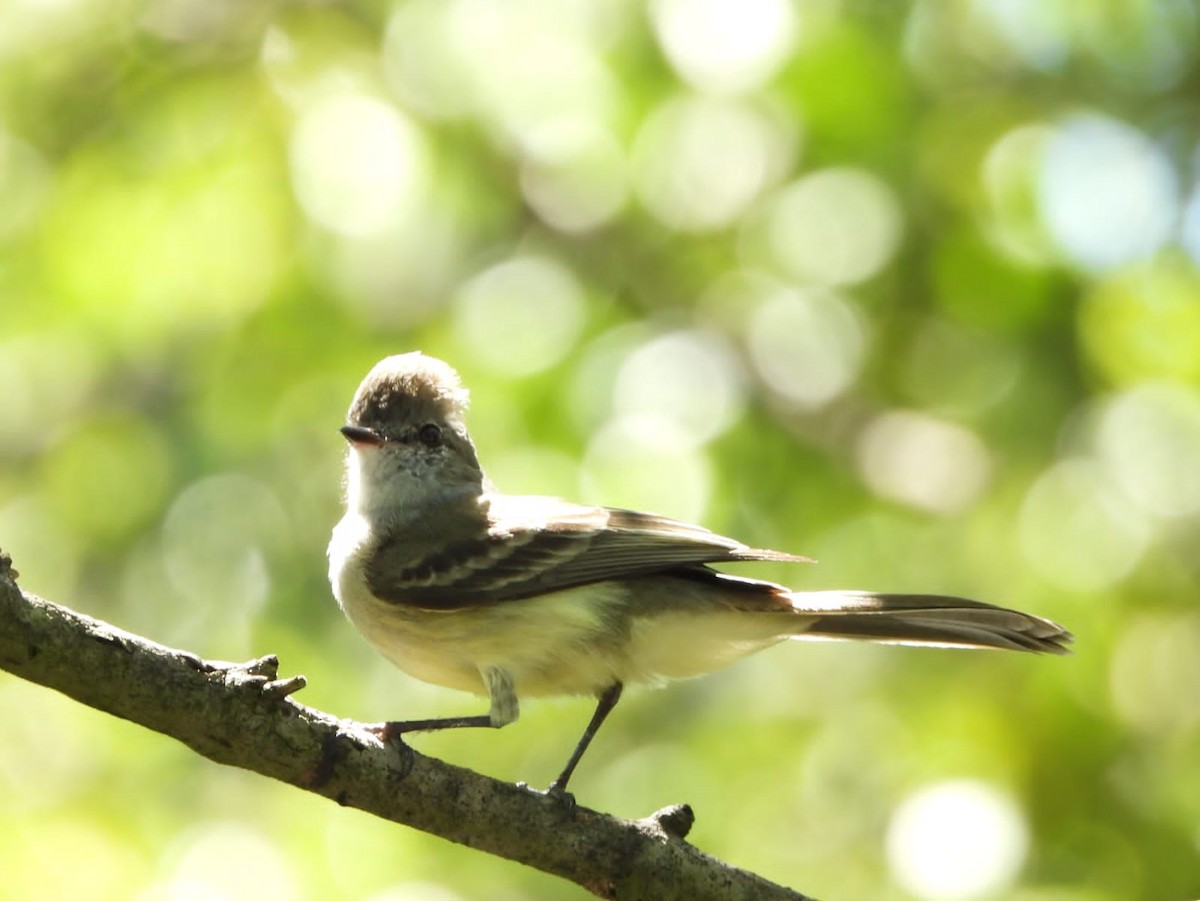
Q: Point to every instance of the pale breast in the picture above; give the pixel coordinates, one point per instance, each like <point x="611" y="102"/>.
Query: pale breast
<point x="563" y="642"/>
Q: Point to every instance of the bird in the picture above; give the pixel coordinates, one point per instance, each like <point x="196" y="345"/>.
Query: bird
<point x="520" y="596"/>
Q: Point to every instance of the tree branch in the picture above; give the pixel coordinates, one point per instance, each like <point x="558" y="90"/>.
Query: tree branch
<point x="244" y="715"/>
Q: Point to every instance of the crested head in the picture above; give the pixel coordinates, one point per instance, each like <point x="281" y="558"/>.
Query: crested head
<point x="409" y="448"/>
<point x="405" y="389"/>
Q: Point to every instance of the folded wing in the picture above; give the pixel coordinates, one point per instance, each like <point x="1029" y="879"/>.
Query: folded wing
<point x="529" y="545"/>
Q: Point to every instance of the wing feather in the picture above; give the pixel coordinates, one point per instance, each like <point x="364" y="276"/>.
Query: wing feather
<point x="525" y="546"/>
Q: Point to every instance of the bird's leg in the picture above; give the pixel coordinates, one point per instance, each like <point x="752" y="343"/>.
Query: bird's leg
<point x="504" y="710"/>
<point x="605" y="704"/>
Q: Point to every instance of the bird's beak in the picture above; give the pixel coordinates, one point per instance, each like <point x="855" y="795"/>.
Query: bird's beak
<point x="358" y="435"/>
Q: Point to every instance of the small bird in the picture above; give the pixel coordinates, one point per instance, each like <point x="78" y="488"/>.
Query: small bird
<point x="523" y="596"/>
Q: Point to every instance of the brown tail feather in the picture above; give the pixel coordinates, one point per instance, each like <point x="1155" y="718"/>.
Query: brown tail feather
<point x="926" y="619"/>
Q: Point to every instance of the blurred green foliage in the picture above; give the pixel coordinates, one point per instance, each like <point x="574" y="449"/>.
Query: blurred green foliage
<point x="910" y="288"/>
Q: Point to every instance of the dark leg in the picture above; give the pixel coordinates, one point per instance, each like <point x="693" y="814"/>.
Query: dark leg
<point x="388" y="731"/>
<point x="504" y="711"/>
<point x="604" y="706"/>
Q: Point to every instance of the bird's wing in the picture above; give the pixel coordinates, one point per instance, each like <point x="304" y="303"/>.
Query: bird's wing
<point x="533" y="545"/>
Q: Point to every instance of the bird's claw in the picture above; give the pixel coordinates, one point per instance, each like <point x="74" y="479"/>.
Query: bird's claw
<point x="555" y="792"/>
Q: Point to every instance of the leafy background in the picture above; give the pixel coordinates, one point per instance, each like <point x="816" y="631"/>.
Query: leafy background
<point x="909" y="288"/>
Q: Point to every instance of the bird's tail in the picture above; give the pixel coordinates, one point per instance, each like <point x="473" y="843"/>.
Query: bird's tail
<point x="923" y="619"/>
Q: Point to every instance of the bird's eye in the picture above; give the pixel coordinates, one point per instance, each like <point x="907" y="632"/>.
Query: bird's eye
<point x="430" y="435"/>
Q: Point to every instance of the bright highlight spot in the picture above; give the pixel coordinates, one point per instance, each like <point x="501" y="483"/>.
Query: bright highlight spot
<point x="521" y="316"/>
<point x="835" y="227"/>
<point x="549" y="78"/>
<point x="1149" y="439"/>
<point x="1155" y="655"/>
<point x="1077" y="530"/>
<point x="424" y="61"/>
<point x="691" y="379"/>
<point x="1107" y="193"/>
<point x="924" y="462"/>
<point x="1011" y="171"/>
<point x="357" y="164"/>
<point x="515" y="66"/>
<point x="574" y="175"/>
<point x="725" y="45"/>
<point x="957" y="840"/>
<point x="808" y="346"/>
<point x="699" y="164"/>
<point x="1036" y="32"/>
